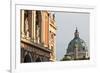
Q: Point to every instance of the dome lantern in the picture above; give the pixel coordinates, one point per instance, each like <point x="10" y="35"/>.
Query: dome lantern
<point x="76" y="34"/>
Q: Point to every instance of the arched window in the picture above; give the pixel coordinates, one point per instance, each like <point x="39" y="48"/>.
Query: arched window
<point x="38" y="60"/>
<point x="27" y="58"/>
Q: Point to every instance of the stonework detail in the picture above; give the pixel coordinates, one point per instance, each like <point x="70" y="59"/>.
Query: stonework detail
<point x="36" y="44"/>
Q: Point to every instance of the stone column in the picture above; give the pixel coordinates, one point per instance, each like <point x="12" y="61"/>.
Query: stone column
<point x="54" y="47"/>
<point x="34" y="26"/>
<point x="22" y="23"/>
<point x="76" y="51"/>
<point x="42" y="28"/>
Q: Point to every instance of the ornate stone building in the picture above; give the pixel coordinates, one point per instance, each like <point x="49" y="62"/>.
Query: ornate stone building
<point x="77" y="49"/>
<point x="38" y="34"/>
<point x="52" y="36"/>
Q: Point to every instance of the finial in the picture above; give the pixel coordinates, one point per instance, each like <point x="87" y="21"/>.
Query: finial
<point x="76" y="32"/>
<point x="76" y="29"/>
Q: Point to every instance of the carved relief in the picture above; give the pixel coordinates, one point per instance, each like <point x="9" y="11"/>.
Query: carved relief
<point x="27" y="27"/>
<point x="37" y="50"/>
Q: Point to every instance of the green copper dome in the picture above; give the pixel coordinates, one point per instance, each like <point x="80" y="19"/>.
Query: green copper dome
<point x="77" y="42"/>
<point x="77" y="49"/>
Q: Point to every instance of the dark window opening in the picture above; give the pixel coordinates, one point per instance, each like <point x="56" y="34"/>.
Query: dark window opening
<point x="27" y="59"/>
<point x="38" y="60"/>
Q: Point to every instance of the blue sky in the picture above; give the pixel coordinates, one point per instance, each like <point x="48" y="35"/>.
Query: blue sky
<point x="66" y="24"/>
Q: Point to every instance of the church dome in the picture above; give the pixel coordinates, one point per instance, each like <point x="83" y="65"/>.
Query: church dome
<point x="77" y="42"/>
<point x="77" y="49"/>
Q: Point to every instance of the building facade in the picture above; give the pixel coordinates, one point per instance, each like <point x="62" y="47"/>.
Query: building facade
<point x="38" y="34"/>
<point x="52" y="36"/>
<point x="77" y="49"/>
